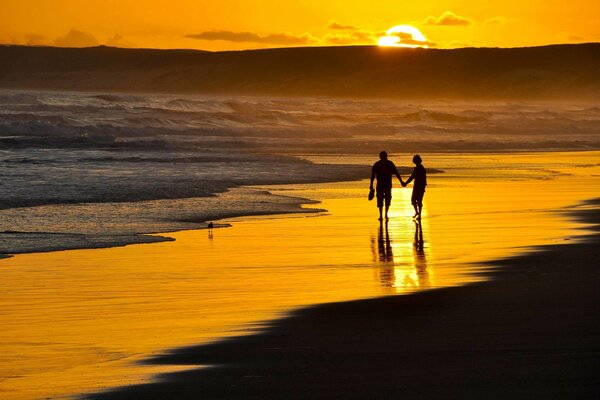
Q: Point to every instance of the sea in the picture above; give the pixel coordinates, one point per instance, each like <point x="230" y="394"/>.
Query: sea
<point x="84" y="170"/>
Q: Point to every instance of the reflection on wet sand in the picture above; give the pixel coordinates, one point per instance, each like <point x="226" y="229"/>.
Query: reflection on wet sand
<point x="105" y="310"/>
<point x="400" y="273"/>
<point x="384" y="244"/>
<point x="419" y="256"/>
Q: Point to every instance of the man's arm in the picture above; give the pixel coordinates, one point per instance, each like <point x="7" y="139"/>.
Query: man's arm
<point x="399" y="177"/>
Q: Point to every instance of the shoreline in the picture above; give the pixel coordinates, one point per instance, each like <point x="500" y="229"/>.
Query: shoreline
<point x="290" y="205"/>
<point x="293" y="205"/>
<point x="529" y="331"/>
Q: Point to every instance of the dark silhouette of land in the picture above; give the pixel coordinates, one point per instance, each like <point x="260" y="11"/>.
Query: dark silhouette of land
<point x="533" y="332"/>
<point x="557" y="71"/>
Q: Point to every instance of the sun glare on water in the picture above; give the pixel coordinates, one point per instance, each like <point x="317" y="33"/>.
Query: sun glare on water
<point x="403" y="36"/>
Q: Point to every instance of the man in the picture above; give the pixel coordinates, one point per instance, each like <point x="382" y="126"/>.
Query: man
<point x="420" y="177"/>
<point x="383" y="170"/>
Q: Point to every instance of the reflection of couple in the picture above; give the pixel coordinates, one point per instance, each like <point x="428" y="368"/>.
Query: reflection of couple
<point x="383" y="171"/>
<point x="420" y="259"/>
<point x="388" y="273"/>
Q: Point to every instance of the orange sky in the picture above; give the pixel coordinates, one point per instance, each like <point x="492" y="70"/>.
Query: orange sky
<point x="235" y="24"/>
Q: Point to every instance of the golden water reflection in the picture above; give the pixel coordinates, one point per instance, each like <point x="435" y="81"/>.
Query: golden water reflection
<point x="407" y="270"/>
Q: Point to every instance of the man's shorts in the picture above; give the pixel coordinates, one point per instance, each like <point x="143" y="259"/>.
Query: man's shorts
<point x="384" y="193"/>
<point x="417" y="196"/>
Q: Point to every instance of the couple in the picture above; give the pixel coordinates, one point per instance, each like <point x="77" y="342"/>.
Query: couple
<point x="383" y="171"/>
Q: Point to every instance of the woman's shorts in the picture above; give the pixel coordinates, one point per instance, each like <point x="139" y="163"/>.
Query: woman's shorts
<point x="417" y="196"/>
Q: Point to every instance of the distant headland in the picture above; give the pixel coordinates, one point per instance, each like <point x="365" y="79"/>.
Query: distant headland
<point x="547" y="72"/>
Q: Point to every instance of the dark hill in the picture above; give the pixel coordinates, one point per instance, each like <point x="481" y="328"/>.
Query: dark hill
<point x="558" y="71"/>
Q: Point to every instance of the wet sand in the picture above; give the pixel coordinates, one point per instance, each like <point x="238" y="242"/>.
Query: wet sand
<point x="82" y="321"/>
<point x="532" y="331"/>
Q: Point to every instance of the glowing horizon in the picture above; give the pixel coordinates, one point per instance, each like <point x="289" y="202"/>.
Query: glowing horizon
<point x="403" y="36"/>
<point x="236" y="25"/>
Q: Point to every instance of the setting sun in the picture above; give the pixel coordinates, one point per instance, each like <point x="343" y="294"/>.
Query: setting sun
<point x="403" y="36"/>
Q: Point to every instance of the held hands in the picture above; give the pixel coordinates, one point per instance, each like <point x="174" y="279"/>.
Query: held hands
<point x="402" y="183"/>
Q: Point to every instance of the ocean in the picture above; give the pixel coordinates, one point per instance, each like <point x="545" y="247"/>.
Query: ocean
<point x="95" y="169"/>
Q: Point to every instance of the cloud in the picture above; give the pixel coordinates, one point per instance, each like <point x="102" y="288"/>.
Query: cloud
<point x="76" y="38"/>
<point x="7" y="39"/>
<point x="33" y="39"/>
<point x="73" y="38"/>
<point x="576" y="38"/>
<point x="408" y="39"/>
<point x="339" y="39"/>
<point x="496" y="20"/>
<point x="351" y="35"/>
<point x="251" y="37"/>
<point x="356" y="37"/>
<point x="448" y="18"/>
<point x="459" y="44"/>
<point x="119" y="41"/>
<point x="568" y="37"/>
<point x="404" y="39"/>
<point x="27" y="39"/>
<point x="342" y="27"/>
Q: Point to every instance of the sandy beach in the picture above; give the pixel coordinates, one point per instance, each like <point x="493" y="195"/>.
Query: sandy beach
<point x="531" y="331"/>
<point x="87" y="321"/>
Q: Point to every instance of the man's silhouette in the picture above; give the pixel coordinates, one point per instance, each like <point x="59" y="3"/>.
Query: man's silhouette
<point x="383" y="171"/>
<point x="420" y="177"/>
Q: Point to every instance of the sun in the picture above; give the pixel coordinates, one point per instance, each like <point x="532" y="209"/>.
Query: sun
<point x="403" y="36"/>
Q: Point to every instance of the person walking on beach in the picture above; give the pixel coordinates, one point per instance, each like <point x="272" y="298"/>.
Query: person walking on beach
<point x="419" y="175"/>
<point x="383" y="171"/>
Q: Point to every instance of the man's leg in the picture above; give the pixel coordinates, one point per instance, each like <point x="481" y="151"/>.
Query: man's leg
<point x="380" y="198"/>
<point x="388" y="202"/>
